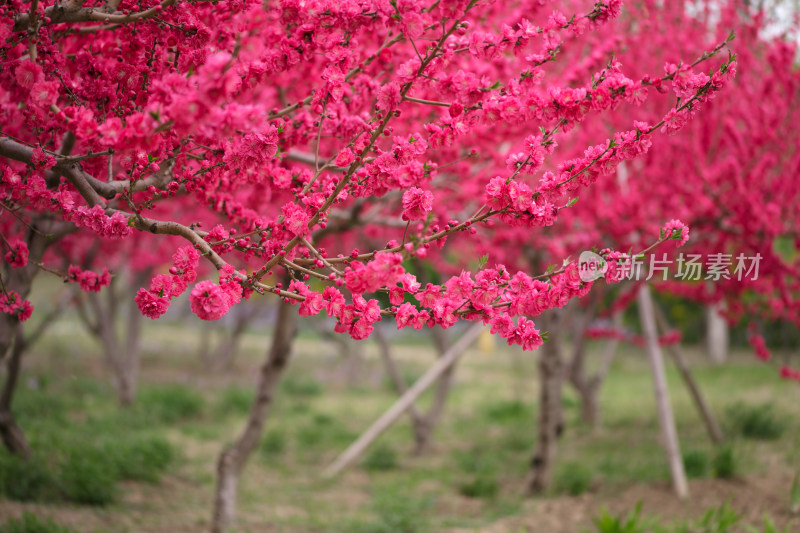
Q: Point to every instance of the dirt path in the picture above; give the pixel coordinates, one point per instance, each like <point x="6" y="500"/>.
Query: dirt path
<point x="753" y="497"/>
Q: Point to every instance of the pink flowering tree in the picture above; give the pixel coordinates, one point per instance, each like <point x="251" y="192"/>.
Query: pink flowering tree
<point x="285" y="120"/>
<point x="736" y="187"/>
<point x="728" y="175"/>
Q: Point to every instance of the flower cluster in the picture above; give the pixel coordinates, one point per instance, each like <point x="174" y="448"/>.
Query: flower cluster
<point x="13" y="304"/>
<point x="87" y="280"/>
<point x="154" y="302"/>
<point x="675" y="229"/>
<point x="113" y="227"/>
<point x="302" y="126"/>
<point x="17" y="256"/>
<point x="210" y="301"/>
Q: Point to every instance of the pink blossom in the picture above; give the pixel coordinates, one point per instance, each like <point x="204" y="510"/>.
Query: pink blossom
<point x="790" y="373"/>
<point x="404" y="314"/>
<point x="675" y="229"/>
<point x="150" y="304"/>
<point x="312" y="305"/>
<point x="17" y="257"/>
<point x="185" y="261"/>
<point x="295" y="219"/>
<point x="526" y="335"/>
<point x="168" y="286"/>
<point x="389" y="97"/>
<point x="27" y="73"/>
<point x="89" y="281"/>
<point x="417" y="203"/>
<point x="13" y="304"/>
<point x="42" y="161"/>
<point x="333" y="301"/>
<point x="758" y="344"/>
<point x="360" y="329"/>
<point x="209" y="301"/>
<point x="252" y="151"/>
<point x="396" y="295"/>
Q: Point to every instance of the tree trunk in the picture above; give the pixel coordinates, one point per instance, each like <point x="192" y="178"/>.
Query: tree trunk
<point x="233" y="458"/>
<point x="399" y="384"/>
<point x="223" y="356"/>
<point x="388" y="418"/>
<point x="12" y="339"/>
<point x="551" y="416"/>
<point x="588" y="387"/>
<point x="422" y="424"/>
<point x="714" y="432"/>
<point x="121" y="354"/>
<point x="129" y="379"/>
<point x="717" y="338"/>
<point x="442" y="391"/>
<point x="665" y="416"/>
<point x="12" y="435"/>
<point x="349" y="359"/>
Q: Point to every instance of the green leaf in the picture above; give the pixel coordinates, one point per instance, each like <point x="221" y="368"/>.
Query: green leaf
<point x="794" y="498"/>
<point x="482" y="260"/>
<point x="784" y="247"/>
<point x="572" y="202"/>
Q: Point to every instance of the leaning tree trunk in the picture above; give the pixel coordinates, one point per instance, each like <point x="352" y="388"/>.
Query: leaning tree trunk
<point x="423" y="424"/>
<point x="389" y="417"/>
<point x="233" y="458"/>
<point x="551" y="416"/>
<point x="400" y="385"/>
<point x="665" y="415"/>
<point x="710" y="422"/>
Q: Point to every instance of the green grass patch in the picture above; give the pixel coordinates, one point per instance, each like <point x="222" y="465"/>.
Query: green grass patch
<point x="30" y="523"/>
<point x="759" y="422"/>
<point x="573" y="478"/>
<point x="380" y="457"/>
<point x="170" y="403"/>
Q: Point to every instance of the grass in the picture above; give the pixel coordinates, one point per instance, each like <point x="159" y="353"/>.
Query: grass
<point x="151" y="467"/>
<point x="85" y="446"/>
<point x="30" y="523"/>
<point x="760" y="422"/>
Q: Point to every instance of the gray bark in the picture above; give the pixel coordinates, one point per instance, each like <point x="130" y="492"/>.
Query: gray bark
<point x="717" y="337"/>
<point x="588" y="386"/>
<point x="398" y="382"/>
<point x="713" y="429"/>
<point x="233" y="458"/>
<point x="551" y="415"/>
<point x="99" y="313"/>
<point x="12" y="339"/>
<point x="665" y="415"/>
<point x="10" y="432"/>
<point x="221" y="355"/>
